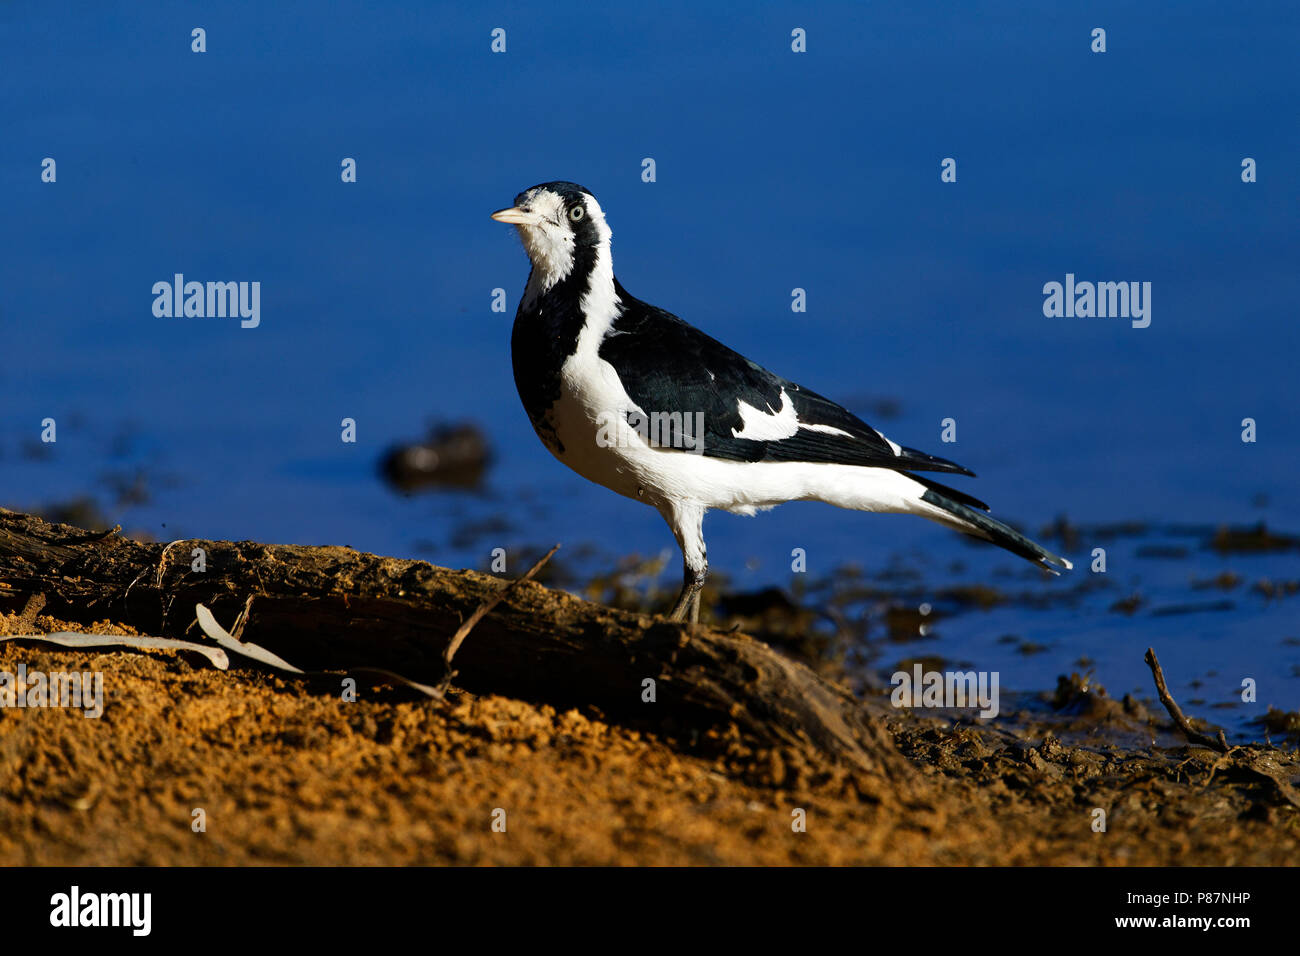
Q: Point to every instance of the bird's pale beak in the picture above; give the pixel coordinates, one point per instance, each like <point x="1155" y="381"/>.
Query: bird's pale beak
<point x="517" y="217"/>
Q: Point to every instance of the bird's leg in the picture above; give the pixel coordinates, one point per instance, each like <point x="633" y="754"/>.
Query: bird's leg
<point x="687" y="519"/>
<point x="688" y="601"/>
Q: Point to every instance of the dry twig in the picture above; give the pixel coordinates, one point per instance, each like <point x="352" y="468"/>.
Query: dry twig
<point x="1191" y="733"/>
<point x="482" y="611"/>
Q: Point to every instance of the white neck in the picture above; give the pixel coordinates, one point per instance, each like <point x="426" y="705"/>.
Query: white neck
<point x="600" y="302"/>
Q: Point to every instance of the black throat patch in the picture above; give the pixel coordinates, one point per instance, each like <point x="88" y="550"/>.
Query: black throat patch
<point x="544" y="336"/>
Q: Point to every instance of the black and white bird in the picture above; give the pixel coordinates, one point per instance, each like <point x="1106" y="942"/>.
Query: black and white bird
<point x="633" y="398"/>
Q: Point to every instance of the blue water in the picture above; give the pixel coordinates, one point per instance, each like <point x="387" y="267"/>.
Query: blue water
<point x="775" y="170"/>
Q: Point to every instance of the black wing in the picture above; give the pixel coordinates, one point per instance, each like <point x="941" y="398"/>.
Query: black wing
<point x="668" y="366"/>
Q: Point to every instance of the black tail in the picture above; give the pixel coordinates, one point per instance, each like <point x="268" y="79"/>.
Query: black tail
<point x="986" y="526"/>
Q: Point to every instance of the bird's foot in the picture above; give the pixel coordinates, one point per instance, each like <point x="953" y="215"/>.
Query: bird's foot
<point x="687" y="608"/>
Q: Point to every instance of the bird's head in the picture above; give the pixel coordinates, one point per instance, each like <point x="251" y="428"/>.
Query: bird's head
<point x="562" y="226"/>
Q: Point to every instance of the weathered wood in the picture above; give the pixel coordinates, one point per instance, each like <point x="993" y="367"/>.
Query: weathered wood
<point x="331" y="607"/>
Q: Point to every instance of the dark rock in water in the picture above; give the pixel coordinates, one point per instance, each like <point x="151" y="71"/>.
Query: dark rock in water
<point x="757" y="603"/>
<point x="1224" y="581"/>
<point x="1128" y="605"/>
<point x="1276" y="589"/>
<point x="82" y="511"/>
<point x="1280" y="722"/>
<point x="1083" y="698"/>
<point x="1258" y="538"/>
<point x="453" y="456"/>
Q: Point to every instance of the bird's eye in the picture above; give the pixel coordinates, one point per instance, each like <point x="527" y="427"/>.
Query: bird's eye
<point x="576" y="213"/>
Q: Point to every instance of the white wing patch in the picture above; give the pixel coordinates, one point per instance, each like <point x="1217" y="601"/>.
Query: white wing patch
<point x="759" y="425"/>
<point x="764" y="426"/>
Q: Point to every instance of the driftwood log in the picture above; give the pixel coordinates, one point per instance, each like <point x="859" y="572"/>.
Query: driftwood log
<point x="326" y="608"/>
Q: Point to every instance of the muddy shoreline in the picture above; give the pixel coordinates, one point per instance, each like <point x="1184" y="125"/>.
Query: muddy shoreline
<point x="285" y="771"/>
